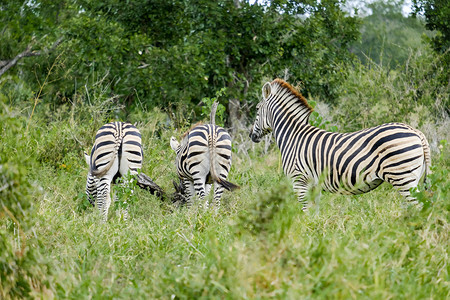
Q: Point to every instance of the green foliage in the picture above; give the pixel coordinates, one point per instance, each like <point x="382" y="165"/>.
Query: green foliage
<point x="152" y="68"/>
<point x="317" y="120"/>
<point x="203" y="46"/>
<point x="123" y="190"/>
<point x="15" y="188"/>
<point x="315" y="49"/>
<point x="373" y="94"/>
<point x="23" y="270"/>
<point x="83" y="202"/>
<point x="437" y="14"/>
<point x="387" y="37"/>
<point x="258" y="219"/>
<point x="261" y="246"/>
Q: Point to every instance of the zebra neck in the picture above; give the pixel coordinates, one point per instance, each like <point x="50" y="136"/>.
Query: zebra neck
<point x="288" y="122"/>
<point x="291" y="136"/>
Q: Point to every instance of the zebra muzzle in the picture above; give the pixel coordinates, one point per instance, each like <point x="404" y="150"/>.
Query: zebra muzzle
<point x="254" y="137"/>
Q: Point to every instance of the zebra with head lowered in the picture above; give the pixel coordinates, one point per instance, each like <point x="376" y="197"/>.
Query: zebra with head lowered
<point x="117" y="149"/>
<point x="349" y="163"/>
<point x="203" y="158"/>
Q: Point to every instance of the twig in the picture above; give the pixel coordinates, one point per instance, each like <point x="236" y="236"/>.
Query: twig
<point x="143" y="66"/>
<point x="5" y="65"/>
<point x="212" y="116"/>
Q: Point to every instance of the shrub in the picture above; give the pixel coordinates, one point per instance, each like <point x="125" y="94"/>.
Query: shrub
<point x="23" y="271"/>
<point x="372" y="94"/>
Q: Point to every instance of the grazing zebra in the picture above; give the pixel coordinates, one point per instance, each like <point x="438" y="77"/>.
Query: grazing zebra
<point x="349" y="163"/>
<point x="203" y="158"/>
<point x="117" y="149"/>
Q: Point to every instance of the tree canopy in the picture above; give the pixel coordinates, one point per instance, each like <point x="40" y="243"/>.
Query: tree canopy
<point x="437" y="18"/>
<point x="177" y="52"/>
<point x="388" y="37"/>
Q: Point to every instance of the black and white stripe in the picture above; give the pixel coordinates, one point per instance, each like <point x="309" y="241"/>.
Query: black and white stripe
<point x="117" y="149"/>
<point x="349" y="163"/>
<point x="203" y="158"/>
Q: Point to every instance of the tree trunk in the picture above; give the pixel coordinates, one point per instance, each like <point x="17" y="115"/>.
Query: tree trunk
<point x="236" y="117"/>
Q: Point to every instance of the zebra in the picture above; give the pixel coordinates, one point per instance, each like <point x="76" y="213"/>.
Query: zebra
<point x="347" y="163"/>
<point x="204" y="157"/>
<point x="117" y="150"/>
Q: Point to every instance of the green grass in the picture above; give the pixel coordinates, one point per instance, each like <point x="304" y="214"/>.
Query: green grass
<point x="259" y="245"/>
<point x="368" y="246"/>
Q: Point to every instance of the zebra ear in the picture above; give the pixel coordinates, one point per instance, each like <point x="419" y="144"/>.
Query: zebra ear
<point x="266" y="90"/>
<point x="174" y="144"/>
<point x="87" y="158"/>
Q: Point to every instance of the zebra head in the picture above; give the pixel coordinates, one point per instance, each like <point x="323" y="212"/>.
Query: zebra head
<point x="261" y="127"/>
<point x="175" y="145"/>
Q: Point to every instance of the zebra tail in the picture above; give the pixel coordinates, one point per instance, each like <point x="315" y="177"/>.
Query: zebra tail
<point x="427" y="164"/>
<point x="212" y="154"/>
<point x="105" y="169"/>
<point x="427" y="156"/>
<point x="228" y="185"/>
<point x="212" y="157"/>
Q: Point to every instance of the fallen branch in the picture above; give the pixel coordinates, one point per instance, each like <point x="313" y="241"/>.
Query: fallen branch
<point x="146" y="183"/>
<point x="5" y="65"/>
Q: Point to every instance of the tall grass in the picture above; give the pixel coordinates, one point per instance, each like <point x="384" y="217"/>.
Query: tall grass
<point x="259" y="245"/>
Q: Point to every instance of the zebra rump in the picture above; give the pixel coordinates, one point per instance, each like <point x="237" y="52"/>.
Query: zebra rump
<point x="203" y="158"/>
<point x="348" y="163"/>
<point x="117" y="150"/>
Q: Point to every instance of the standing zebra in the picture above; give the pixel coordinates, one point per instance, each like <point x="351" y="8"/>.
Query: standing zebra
<point x="350" y="163"/>
<point x="117" y="149"/>
<point x="203" y="158"/>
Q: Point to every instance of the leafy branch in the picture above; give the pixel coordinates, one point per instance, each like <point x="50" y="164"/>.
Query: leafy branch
<point x="5" y="65"/>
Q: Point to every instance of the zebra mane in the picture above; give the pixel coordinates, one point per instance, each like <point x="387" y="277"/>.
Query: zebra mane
<point x="299" y="96"/>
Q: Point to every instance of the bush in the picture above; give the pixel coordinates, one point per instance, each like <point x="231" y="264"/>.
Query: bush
<point x="23" y="271"/>
<point x="372" y="94"/>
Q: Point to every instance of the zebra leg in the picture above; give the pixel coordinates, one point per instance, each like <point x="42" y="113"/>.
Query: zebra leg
<point x="107" y="203"/>
<point x="407" y="194"/>
<point x="189" y="192"/>
<point x="207" y="189"/>
<point x="218" y="191"/>
<point x="123" y="212"/>
<point x="403" y="185"/>
<point x="301" y="187"/>
<point x="199" y="185"/>
<point x="104" y="197"/>
<point x="91" y="189"/>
